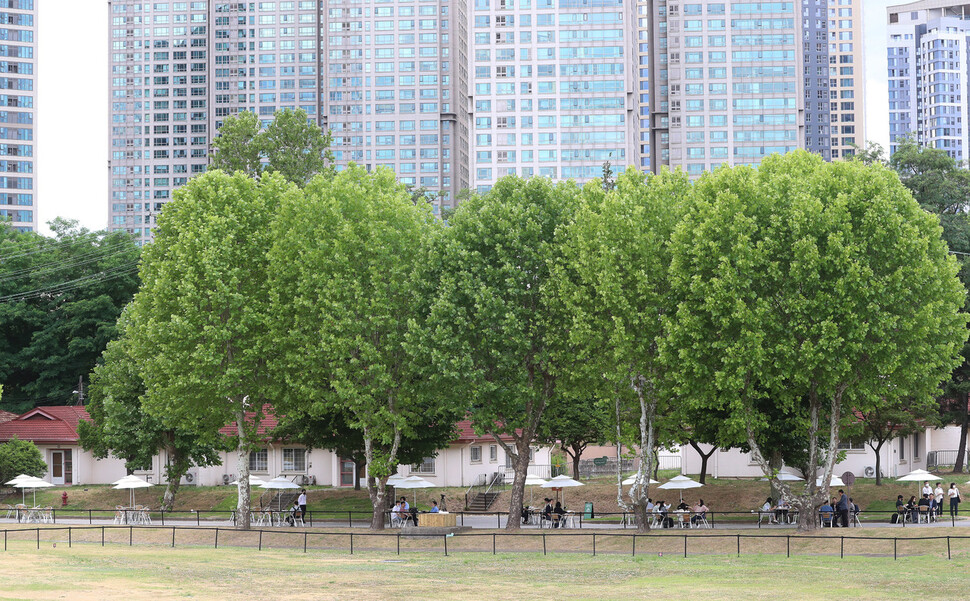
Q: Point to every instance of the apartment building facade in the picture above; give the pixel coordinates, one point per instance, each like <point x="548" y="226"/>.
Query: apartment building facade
<point x="388" y="79"/>
<point x="927" y="63"/>
<point x="18" y="117"/>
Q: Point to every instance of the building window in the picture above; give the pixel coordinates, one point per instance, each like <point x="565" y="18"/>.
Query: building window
<point x="902" y="449"/>
<point x="294" y="460"/>
<point x="425" y="467"/>
<point x="259" y="461"/>
<point x="851" y="446"/>
<point x="476" y="454"/>
<point x="493" y="453"/>
<point x="916" y="445"/>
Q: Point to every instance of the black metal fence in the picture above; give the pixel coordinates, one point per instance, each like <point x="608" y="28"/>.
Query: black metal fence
<point x="591" y="542"/>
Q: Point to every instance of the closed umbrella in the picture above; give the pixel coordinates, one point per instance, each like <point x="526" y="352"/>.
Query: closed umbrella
<point x="279" y="484"/>
<point x="561" y="482"/>
<point x="680" y="483"/>
<point x="131" y="483"/>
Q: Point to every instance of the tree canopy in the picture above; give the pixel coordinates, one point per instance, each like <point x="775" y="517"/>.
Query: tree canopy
<point x="20" y="457"/>
<point x="60" y="298"/>
<point x="820" y="288"/>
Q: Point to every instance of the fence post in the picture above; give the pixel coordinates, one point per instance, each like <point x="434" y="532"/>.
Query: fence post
<point x="634" y="545"/>
<point x="842" y="547"/>
<point x="102" y="536"/>
<point x="685" y="546"/>
<point x="162" y="516"/>
<point x="69" y="537"/>
<point x="445" y="538"/>
<point x="53" y="516"/>
<point x="739" y="545"/>
<point x="594" y="544"/>
<point x="498" y="520"/>
<point x="543" y="543"/>
<point x="197" y="517"/>
<point x="173" y="537"/>
<point x="493" y="543"/>
<point x="894" y="549"/>
<point x="90" y="519"/>
<point x="948" y="548"/>
<point x="217" y="537"/>
<point x="4" y="540"/>
<point x="304" y="541"/>
<point x="398" y="543"/>
<point x="351" y="543"/>
<point x="712" y="520"/>
<point x="788" y="546"/>
<point x="350" y="518"/>
<point x="260" y="541"/>
<point x="38" y="538"/>
<point x="131" y="534"/>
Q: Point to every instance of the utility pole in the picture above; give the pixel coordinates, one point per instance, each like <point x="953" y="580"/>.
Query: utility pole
<point x="80" y="390"/>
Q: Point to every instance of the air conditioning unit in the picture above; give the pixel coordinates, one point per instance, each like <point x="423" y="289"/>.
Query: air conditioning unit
<point x="191" y="478"/>
<point x="227" y="478"/>
<point x="870" y="472"/>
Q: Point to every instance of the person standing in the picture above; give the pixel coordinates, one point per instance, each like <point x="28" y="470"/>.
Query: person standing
<point x="954" y="495"/>
<point x="301" y="501"/>
<point x="927" y="489"/>
<point x="938" y="494"/>
<point x="843" y="508"/>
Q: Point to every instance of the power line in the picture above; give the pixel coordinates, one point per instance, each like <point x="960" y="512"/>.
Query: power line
<point x="71" y="285"/>
<point x="77" y="261"/>
<point x="48" y="244"/>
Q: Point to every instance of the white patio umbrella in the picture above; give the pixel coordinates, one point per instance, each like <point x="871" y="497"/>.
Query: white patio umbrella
<point x="560" y="482"/>
<point x="30" y="482"/>
<point x="917" y="476"/>
<point x="20" y="477"/>
<point x="394" y="479"/>
<point x="629" y="481"/>
<point x="131" y="483"/>
<point x="253" y="481"/>
<point x="835" y="481"/>
<point x="279" y="484"/>
<point x="680" y="483"/>
<point x="414" y="483"/>
<point x="532" y="480"/>
<point x="786" y="476"/>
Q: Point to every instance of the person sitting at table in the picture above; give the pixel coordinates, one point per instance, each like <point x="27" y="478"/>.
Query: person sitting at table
<point x="404" y="505"/>
<point x="826" y="514"/>
<point x="924" y="502"/>
<point x="900" y="510"/>
<point x="766" y="509"/>
<point x="295" y="513"/>
<point x="413" y="515"/>
<point x="700" y="512"/>
<point x="560" y="512"/>
<point x="434" y="507"/>
<point x="683" y="506"/>
<point x="649" y="505"/>
<point x="781" y="510"/>
<point x="913" y="509"/>
<point x="547" y="510"/>
<point x="396" y="515"/>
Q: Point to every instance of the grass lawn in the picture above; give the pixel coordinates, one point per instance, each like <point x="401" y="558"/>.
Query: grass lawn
<point x="143" y="572"/>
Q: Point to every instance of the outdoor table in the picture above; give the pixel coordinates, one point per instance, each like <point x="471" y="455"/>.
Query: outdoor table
<point x="437" y="520"/>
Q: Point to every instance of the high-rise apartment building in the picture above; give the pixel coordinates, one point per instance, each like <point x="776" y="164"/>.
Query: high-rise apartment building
<point x="552" y="85"/>
<point x="18" y="96"/>
<point x="927" y="62"/>
<point x="389" y="80"/>
<point x="732" y="82"/>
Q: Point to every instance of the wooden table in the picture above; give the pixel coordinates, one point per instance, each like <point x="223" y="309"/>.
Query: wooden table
<point x="437" y="520"/>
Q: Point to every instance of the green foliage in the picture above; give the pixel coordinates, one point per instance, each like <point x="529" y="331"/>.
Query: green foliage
<point x="20" y="457"/>
<point x="809" y="287"/>
<point x="291" y="145"/>
<point x="123" y="428"/>
<point x="52" y="335"/>
<point x="198" y="324"/>
<point x="343" y="275"/>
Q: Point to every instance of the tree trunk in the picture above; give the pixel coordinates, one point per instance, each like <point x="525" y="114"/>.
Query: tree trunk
<point x="576" y="456"/>
<point x="877" y="450"/>
<point x="377" y="491"/>
<point x="242" y="506"/>
<point x="775" y="462"/>
<point x="177" y="467"/>
<point x="704" y="458"/>
<point x="962" y="447"/>
<point x="521" y="466"/>
<point x="360" y="468"/>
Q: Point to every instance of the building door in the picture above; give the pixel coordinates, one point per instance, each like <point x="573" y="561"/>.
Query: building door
<point x="62" y="469"/>
<point x="348" y="470"/>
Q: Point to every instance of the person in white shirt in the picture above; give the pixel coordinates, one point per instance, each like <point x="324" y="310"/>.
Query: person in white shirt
<point x="954" y="495"/>
<point x="927" y="489"/>
<point x="938" y="493"/>
<point x="301" y="501"/>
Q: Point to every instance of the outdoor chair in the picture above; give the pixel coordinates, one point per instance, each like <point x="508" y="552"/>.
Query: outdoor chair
<point x="46" y="514"/>
<point x="9" y="509"/>
<point x="700" y="521"/>
<point x="855" y="519"/>
<point x="120" y="514"/>
<point x="827" y="518"/>
<point x="924" y="514"/>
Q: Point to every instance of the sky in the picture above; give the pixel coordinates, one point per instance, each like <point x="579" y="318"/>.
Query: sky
<point x="72" y="105"/>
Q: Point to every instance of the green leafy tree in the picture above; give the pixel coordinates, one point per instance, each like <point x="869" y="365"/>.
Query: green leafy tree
<point x="122" y="428"/>
<point x="291" y="145"/>
<point x="20" y="457"/>
<point x="60" y="298"/>
<point x="615" y="286"/>
<point x="198" y="325"/>
<point x="238" y="147"/>
<point x="573" y="424"/>
<point x="343" y="276"/>
<point x="494" y="335"/>
<point x="898" y="417"/>
<point x="819" y="288"/>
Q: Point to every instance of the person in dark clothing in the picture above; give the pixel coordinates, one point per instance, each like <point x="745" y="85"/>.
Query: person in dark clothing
<point x="560" y="512"/>
<point x="547" y="510"/>
<point x="843" y="508"/>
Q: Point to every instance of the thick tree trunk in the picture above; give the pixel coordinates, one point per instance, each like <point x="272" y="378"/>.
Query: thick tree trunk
<point x="521" y="466"/>
<point x="576" y="456"/>
<point x="775" y="462"/>
<point x="962" y="447"/>
<point x="360" y="468"/>
<point x="877" y="450"/>
<point x="704" y="459"/>
<point x="176" y="469"/>
<point x="377" y="491"/>
<point x="242" y="467"/>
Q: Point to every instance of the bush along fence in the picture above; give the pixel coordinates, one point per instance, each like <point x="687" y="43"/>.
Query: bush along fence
<point x="546" y="543"/>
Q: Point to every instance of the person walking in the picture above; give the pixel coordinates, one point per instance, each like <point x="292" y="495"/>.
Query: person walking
<point x="843" y="508"/>
<point x="954" y="495"/>
<point x="301" y="501"/>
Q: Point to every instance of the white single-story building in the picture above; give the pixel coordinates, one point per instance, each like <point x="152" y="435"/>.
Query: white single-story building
<point x="468" y="460"/>
<point x="897" y="456"/>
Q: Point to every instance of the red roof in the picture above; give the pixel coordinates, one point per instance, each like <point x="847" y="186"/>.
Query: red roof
<point x="45" y="425"/>
<point x="466" y="434"/>
<point x="267" y="423"/>
<point x="6" y="416"/>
